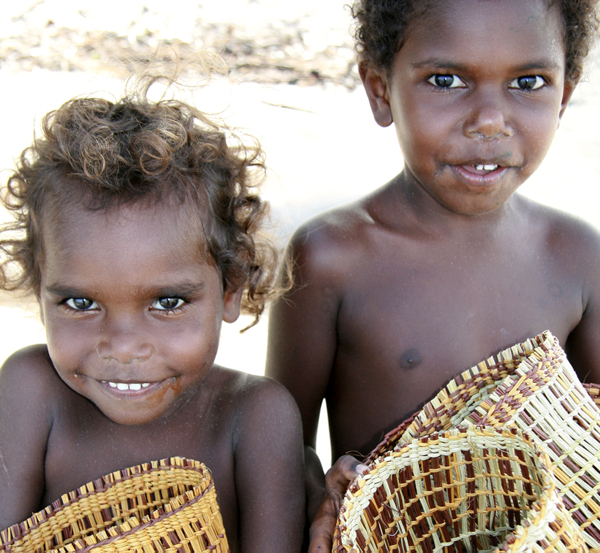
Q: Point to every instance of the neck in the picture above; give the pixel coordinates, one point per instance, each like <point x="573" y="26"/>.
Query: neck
<point x="427" y="213"/>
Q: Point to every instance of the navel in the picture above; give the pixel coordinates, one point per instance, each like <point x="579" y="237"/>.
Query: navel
<point x="411" y="359"/>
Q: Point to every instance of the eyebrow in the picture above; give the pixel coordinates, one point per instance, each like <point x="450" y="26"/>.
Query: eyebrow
<point x="182" y="289"/>
<point x="438" y="63"/>
<point x="65" y="291"/>
<point x="441" y="63"/>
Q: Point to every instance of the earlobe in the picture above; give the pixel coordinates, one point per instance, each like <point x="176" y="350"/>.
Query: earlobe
<point x="231" y="305"/>
<point x="376" y="88"/>
<point x="568" y="90"/>
<point x="39" y="302"/>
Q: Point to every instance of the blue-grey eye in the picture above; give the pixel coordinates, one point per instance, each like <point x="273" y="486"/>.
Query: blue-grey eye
<point x="167" y="304"/>
<point x="528" y="82"/>
<point x="80" y="304"/>
<point x="446" y="81"/>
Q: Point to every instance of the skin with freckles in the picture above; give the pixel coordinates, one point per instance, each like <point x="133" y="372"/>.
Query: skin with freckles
<point x="133" y="309"/>
<point x="445" y="265"/>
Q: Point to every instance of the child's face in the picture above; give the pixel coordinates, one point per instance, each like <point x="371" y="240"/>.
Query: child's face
<point x="132" y="311"/>
<point x="476" y="94"/>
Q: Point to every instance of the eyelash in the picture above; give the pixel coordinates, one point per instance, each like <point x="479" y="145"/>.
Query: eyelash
<point x="91" y="307"/>
<point x="178" y="307"/>
<point x="539" y="80"/>
<point x="433" y="78"/>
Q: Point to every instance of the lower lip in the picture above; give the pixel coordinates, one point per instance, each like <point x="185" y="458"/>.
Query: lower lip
<point x="476" y="179"/>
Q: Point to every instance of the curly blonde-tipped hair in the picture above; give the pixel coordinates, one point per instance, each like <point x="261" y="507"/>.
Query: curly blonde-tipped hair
<point x="105" y="154"/>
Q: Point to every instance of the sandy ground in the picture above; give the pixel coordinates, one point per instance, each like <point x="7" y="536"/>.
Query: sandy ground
<point x="323" y="148"/>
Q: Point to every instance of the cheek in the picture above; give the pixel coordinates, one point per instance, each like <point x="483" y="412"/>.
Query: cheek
<point x="422" y="132"/>
<point x="538" y="133"/>
<point x="67" y="343"/>
<point x="190" y="346"/>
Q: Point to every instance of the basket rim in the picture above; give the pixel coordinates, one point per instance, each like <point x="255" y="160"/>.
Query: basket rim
<point x="142" y="526"/>
<point x="20" y="530"/>
<point x="548" y="499"/>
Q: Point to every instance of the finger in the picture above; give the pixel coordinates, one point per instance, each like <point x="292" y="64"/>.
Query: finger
<point x="345" y="469"/>
<point x="349" y="467"/>
<point x="323" y="528"/>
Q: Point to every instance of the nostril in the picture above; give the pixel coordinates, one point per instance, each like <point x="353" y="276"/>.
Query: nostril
<point x="124" y="356"/>
<point x="486" y="136"/>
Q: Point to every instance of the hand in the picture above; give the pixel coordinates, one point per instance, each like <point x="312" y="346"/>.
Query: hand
<point x="337" y="479"/>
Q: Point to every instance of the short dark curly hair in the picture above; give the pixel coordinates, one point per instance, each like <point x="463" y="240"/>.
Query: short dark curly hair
<point x="107" y="154"/>
<point x="381" y="26"/>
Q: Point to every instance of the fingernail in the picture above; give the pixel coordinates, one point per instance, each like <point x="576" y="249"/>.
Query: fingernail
<point x="362" y="469"/>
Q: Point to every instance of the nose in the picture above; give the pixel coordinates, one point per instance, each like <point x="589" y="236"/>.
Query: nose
<point x="124" y="342"/>
<point x="489" y="118"/>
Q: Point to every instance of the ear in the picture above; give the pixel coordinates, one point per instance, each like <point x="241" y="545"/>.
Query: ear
<point x="231" y="305"/>
<point x="39" y="302"/>
<point x="568" y="90"/>
<point x="375" y="84"/>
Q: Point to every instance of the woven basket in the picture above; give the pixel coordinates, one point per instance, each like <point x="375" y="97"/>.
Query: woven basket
<point x="468" y="489"/>
<point x="533" y="387"/>
<point x="163" y="506"/>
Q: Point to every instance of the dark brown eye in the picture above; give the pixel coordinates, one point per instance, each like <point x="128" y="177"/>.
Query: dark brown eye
<point x="80" y="304"/>
<point x="528" y="82"/>
<point x="167" y="304"/>
<point x="446" y="81"/>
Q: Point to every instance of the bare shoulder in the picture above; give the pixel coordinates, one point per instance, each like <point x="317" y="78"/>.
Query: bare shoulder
<point x="30" y="393"/>
<point x="30" y="376"/>
<point x="253" y="395"/>
<point x="268" y="453"/>
<point x="331" y="241"/>
<point x="567" y="235"/>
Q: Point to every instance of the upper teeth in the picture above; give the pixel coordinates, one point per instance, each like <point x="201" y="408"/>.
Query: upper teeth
<point x="124" y="387"/>
<point x="486" y="167"/>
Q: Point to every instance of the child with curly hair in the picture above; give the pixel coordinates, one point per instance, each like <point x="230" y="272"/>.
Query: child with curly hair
<point x="138" y="227"/>
<point x="446" y="264"/>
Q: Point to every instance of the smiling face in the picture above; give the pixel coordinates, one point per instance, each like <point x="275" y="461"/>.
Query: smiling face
<point x="132" y="311"/>
<point x="476" y="93"/>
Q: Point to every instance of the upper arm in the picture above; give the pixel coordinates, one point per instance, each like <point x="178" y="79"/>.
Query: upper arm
<point x="303" y="325"/>
<point x="25" y="422"/>
<point x="269" y="469"/>
<point x="583" y="343"/>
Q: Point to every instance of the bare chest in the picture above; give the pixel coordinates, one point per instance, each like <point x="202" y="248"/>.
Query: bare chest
<point x="85" y="445"/>
<point x="406" y="328"/>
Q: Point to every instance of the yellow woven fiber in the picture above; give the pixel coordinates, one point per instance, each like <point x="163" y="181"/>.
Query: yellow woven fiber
<point x="531" y="386"/>
<point x="162" y="506"/>
<point x="467" y="489"/>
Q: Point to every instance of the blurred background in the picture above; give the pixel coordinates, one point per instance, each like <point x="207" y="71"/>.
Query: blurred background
<point x="291" y="81"/>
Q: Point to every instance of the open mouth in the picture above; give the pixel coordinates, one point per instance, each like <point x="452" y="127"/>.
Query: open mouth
<point x="130" y="389"/>
<point x="487" y="168"/>
<point x="481" y="173"/>
<point x="127" y="386"/>
<point x="481" y="168"/>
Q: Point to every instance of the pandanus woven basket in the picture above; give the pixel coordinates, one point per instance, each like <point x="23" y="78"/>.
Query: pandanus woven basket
<point x="533" y="387"/>
<point x="163" y="506"/>
<point x="467" y="489"/>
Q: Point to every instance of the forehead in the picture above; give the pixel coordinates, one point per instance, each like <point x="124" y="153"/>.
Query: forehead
<point x="485" y="30"/>
<point x="122" y="239"/>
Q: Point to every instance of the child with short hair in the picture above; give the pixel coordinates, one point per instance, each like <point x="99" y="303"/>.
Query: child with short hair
<point x="445" y="265"/>
<point x="138" y="228"/>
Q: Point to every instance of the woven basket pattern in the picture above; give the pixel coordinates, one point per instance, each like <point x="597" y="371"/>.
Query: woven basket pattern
<point x="468" y="489"/>
<point x="533" y="387"/>
<point x="163" y="506"/>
